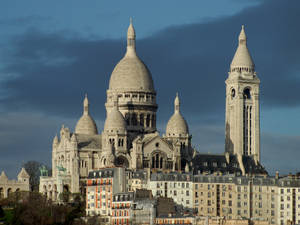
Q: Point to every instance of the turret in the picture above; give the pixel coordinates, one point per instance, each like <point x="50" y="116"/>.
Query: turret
<point x="177" y="126"/>
<point x="55" y="142"/>
<point x="86" y="124"/>
<point x="23" y="176"/>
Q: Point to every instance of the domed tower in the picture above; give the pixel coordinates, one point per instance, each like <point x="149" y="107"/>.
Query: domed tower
<point x="132" y="82"/>
<point x="114" y="137"/>
<point x="242" y="129"/>
<point x="177" y="130"/>
<point x="86" y="124"/>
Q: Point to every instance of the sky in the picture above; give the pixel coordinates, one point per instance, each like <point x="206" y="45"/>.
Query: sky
<point x="53" y="52"/>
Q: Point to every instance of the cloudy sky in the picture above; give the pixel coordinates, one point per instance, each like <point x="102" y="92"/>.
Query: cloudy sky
<point x="52" y="52"/>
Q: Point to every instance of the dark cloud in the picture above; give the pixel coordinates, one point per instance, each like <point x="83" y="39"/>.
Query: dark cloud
<point x="50" y="72"/>
<point x="280" y="153"/>
<point x="24" y="20"/>
<point x="24" y="137"/>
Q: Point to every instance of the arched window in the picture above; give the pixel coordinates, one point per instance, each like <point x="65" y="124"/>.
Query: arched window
<point x="246" y="93"/>
<point x="157" y="161"/>
<point x="148" y="121"/>
<point x="153" y="161"/>
<point x="153" y="121"/>
<point x="133" y="119"/>
<point x="142" y="120"/>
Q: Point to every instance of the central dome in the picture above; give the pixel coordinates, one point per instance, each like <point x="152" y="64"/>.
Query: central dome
<point x="131" y="74"/>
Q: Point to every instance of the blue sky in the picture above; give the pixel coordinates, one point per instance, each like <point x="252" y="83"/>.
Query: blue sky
<point x="52" y="52"/>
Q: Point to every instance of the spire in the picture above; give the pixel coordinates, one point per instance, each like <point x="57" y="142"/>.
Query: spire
<point x="242" y="37"/>
<point x="3" y="176"/>
<point x="130" y="38"/>
<point x="73" y="138"/>
<point x="86" y="105"/>
<point x="177" y="104"/>
<point x="242" y="61"/>
<point x="55" y="141"/>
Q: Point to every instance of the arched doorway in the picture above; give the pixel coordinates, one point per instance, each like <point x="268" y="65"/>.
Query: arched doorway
<point x="55" y="192"/>
<point x="45" y="190"/>
<point x="122" y="161"/>
<point x="1" y="192"/>
<point x="9" y="192"/>
<point x="66" y="188"/>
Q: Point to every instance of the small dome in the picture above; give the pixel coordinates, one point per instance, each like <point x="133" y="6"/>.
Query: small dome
<point x="115" y="121"/>
<point x="177" y="124"/>
<point x="86" y="125"/>
<point x="131" y="74"/>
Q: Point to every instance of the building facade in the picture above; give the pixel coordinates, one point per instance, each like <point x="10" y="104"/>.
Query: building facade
<point x="7" y="186"/>
<point x="101" y="185"/>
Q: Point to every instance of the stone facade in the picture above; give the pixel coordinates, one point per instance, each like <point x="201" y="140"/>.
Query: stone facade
<point x="9" y="186"/>
<point x="242" y="131"/>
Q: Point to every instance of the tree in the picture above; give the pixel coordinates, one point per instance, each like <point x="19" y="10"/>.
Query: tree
<point x="1" y="212"/>
<point x="33" y="170"/>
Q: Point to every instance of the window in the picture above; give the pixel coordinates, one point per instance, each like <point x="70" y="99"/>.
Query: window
<point x="247" y="94"/>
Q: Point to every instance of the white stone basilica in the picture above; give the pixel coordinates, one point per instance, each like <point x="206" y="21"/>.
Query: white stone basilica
<point x="129" y="137"/>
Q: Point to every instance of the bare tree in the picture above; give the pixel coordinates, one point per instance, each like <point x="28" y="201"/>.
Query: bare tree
<point x="33" y="170"/>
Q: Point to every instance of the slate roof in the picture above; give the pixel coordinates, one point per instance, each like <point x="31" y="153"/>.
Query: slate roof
<point x="211" y="163"/>
<point x="89" y="141"/>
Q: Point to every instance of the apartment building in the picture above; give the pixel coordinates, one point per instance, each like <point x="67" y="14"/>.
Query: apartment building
<point x="178" y="186"/>
<point x="101" y="185"/>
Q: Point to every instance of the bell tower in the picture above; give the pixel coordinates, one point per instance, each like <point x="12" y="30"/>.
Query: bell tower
<point x="242" y="123"/>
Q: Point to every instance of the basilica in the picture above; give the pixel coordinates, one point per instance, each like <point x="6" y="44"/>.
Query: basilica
<point x="130" y="139"/>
